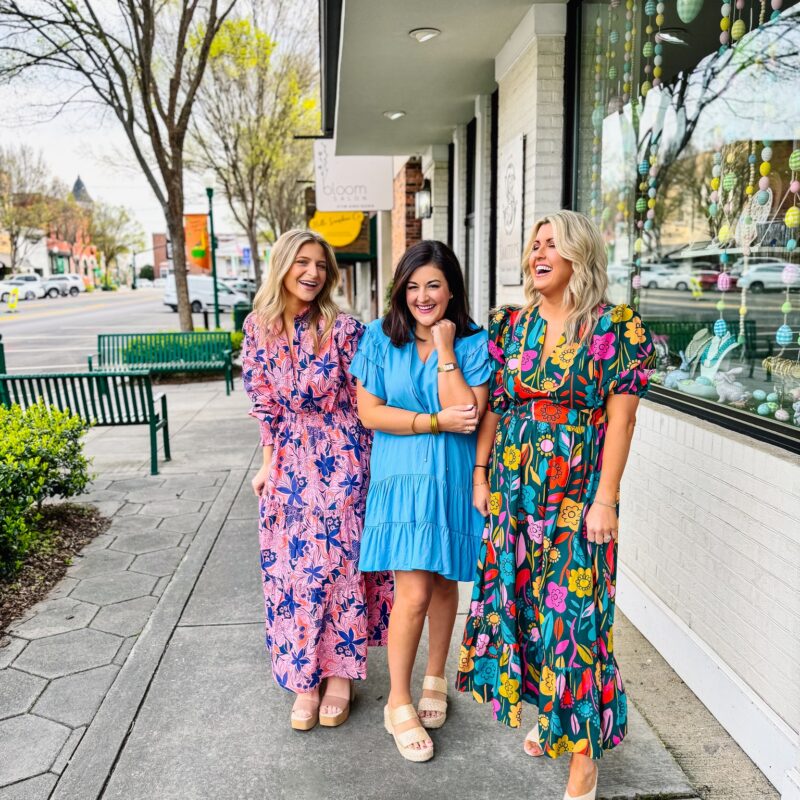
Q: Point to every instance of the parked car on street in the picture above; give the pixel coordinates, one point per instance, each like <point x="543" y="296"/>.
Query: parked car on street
<point x="54" y="287"/>
<point x="201" y="294"/>
<point x="28" y="289"/>
<point x="763" y="277"/>
<point x="657" y="276"/>
<point x="73" y="283"/>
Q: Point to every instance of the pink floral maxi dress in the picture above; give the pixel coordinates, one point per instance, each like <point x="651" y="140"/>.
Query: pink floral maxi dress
<point x="321" y="612"/>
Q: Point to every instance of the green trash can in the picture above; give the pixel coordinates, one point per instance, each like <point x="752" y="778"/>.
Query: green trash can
<point x="240" y="312"/>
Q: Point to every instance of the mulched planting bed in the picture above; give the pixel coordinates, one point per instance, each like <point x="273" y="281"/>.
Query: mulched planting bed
<point x="72" y="528"/>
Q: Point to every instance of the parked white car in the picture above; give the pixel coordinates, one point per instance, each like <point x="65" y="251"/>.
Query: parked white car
<point x="29" y="289"/>
<point x="659" y="277"/>
<point x="74" y="283"/>
<point x="201" y="294"/>
<point x="763" y="277"/>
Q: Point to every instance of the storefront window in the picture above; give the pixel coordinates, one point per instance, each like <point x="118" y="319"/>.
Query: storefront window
<point x="689" y="160"/>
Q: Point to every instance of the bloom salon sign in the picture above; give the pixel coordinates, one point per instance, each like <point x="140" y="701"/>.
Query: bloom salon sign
<point x="351" y="183"/>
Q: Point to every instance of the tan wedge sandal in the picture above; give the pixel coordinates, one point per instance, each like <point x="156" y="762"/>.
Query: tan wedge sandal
<point x="404" y="739"/>
<point x="305" y="723"/>
<point x="439" y="707"/>
<point x="335" y="720"/>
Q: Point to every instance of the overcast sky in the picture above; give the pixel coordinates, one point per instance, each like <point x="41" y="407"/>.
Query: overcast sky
<point x="78" y="142"/>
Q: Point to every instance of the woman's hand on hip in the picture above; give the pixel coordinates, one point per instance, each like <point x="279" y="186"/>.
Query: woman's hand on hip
<point x="260" y="481"/>
<point x="601" y="524"/>
<point x="458" y="419"/>
<point x="480" y="497"/>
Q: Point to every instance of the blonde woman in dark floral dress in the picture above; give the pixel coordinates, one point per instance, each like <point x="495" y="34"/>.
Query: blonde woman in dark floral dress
<point x="569" y="372"/>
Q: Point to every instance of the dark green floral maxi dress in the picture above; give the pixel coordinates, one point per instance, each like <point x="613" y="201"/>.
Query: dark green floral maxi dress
<point x="542" y="611"/>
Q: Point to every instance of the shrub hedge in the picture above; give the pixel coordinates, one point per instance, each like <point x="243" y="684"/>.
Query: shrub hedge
<point x="41" y="456"/>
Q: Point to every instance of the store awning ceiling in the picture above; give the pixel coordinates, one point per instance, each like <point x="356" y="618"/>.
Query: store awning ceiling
<point x="371" y="65"/>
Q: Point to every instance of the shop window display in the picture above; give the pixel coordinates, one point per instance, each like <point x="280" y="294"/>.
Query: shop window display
<point x="689" y="160"/>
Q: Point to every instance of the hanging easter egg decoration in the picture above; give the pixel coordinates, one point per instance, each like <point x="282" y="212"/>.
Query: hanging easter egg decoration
<point x="724" y="282"/>
<point x="643" y="167"/>
<point x="790" y="274"/>
<point x="729" y="181"/>
<point x="689" y="9"/>
<point x="794" y="161"/>
<point x="641" y="205"/>
<point x="738" y="30"/>
<point x="783" y="336"/>
<point x="791" y="245"/>
<point x="762" y="198"/>
<point x="792" y="218"/>
<point x="724" y="233"/>
<point x="720" y="328"/>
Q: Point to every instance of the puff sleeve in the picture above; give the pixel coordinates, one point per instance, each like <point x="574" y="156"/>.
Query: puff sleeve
<point x="348" y="332"/>
<point x="623" y="352"/>
<point x="264" y="403"/>
<point x="369" y="362"/>
<point x="474" y="359"/>
<point x="498" y="329"/>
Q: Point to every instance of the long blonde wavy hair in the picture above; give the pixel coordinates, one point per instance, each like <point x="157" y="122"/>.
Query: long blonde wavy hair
<point x="577" y="240"/>
<point x="270" y="300"/>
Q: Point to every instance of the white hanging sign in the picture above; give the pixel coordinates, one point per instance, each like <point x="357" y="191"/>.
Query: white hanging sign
<point x="351" y="183"/>
<point x="510" y="212"/>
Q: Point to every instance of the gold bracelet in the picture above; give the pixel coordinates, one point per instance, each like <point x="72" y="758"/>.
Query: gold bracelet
<point x="435" y="424"/>
<point x="607" y="505"/>
<point x="413" y="421"/>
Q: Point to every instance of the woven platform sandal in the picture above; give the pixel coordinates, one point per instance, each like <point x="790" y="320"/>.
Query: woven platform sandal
<point x="343" y="703"/>
<point x="434" y="704"/>
<point x="403" y="740"/>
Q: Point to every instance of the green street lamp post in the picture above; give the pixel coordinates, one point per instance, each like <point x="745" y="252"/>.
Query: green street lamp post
<point x="213" y="245"/>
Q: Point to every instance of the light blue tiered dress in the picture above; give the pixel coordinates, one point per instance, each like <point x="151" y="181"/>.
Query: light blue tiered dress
<point x="419" y="504"/>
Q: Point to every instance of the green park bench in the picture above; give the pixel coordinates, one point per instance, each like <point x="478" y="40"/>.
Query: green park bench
<point x="166" y="353"/>
<point x="101" y="398"/>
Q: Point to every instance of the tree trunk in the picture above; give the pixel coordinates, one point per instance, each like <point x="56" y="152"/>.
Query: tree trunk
<point x="177" y="235"/>
<point x="252" y="237"/>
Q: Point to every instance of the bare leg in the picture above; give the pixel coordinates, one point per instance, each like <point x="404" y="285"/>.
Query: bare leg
<point x="582" y="775"/>
<point x="441" y="620"/>
<point x="412" y="596"/>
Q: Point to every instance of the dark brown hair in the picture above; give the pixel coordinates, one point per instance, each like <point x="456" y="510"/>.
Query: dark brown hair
<point x="398" y="324"/>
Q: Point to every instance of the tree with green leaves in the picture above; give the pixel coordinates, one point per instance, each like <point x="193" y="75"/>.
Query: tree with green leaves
<point x="257" y="94"/>
<point x="143" y="60"/>
<point x="114" y="231"/>
<point x="26" y="191"/>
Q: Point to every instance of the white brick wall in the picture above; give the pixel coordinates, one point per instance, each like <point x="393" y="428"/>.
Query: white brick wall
<point x="710" y="523"/>
<point x="531" y="103"/>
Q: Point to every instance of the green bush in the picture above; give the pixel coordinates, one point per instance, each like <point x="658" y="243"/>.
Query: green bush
<point x="237" y="337"/>
<point x="41" y="456"/>
<point x="147" y="272"/>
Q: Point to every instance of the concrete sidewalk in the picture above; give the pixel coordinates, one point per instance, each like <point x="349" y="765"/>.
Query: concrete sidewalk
<point x="143" y="675"/>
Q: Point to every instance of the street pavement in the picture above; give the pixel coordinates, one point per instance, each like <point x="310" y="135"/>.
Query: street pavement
<point x="57" y="335"/>
<point x="143" y="675"/>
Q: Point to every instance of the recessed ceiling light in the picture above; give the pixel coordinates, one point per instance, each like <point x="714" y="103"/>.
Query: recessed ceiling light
<point x="672" y="36"/>
<point x="423" y="35"/>
<point x="393" y="115"/>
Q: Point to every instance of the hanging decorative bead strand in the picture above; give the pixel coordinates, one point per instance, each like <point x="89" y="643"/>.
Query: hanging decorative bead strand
<point x="791" y="272"/>
<point x="598" y="113"/>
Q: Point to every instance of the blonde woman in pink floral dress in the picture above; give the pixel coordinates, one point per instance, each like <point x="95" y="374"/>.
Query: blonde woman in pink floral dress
<point x="321" y="612"/>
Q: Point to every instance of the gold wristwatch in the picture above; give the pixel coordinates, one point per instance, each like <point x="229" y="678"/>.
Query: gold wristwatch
<point x="448" y="366"/>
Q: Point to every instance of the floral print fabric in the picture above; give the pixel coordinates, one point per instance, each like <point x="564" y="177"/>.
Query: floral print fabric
<point x="540" y="622"/>
<point x="321" y="612"/>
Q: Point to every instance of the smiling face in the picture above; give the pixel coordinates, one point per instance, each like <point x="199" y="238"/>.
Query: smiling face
<point x="427" y="295"/>
<point x="551" y="272"/>
<point x="306" y="276"/>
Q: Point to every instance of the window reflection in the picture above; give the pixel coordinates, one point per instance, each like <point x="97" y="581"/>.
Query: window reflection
<point x="689" y="160"/>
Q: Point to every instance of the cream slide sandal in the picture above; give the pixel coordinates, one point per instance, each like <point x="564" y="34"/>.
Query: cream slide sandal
<point x="403" y="740"/>
<point x="533" y="738"/>
<point x="434" y="704"/>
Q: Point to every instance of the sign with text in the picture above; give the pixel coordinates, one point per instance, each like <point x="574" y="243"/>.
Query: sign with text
<point x="197" y="252"/>
<point x="351" y="183"/>
<point x="510" y="212"/>
<point x="339" y="228"/>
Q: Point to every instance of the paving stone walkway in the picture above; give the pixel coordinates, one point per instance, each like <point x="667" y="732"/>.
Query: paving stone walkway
<point x="142" y="675"/>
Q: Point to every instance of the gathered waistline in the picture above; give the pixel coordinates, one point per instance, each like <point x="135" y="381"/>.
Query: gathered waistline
<point x="547" y="411"/>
